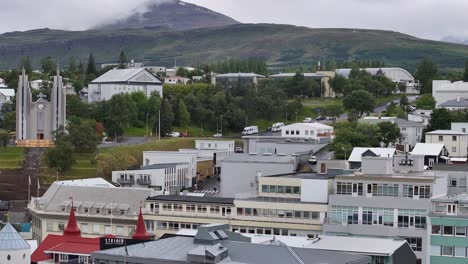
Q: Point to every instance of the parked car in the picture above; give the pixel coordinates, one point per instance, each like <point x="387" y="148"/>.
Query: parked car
<point x="320" y="118"/>
<point x="218" y="135"/>
<point x="307" y="120"/>
<point x="313" y="160"/>
<point x="174" y="134"/>
<point x="277" y="127"/>
<point x="250" y="130"/>
<point x="238" y="149"/>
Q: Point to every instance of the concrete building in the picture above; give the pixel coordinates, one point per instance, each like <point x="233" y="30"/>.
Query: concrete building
<point x="389" y="198"/>
<point x="420" y="116"/>
<point x="159" y="177"/>
<point x="240" y="172"/>
<point x="448" y="229"/>
<point x="289" y="204"/>
<point x="119" y="81"/>
<point x="455" y="142"/>
<point x="323" y="77"/>
<point x="397" y="75"/>
<point x="99" y="210"/>
<point x="232" y="80"/>
<point x="13" y="248"/>
<point x="176" y="80"/>
<point x="6" y="95"/>
<point x="216" y="244"/>
<point x="445" y="90"/>
<point x="433" y="153"/>
<point x="317" y="132"/>
<point x="280" y="145"/>
<point x="459" y="126"/>
<point x="355" y="158"/>
<point x="455" y="104"/>
<point x="171" y="157"/>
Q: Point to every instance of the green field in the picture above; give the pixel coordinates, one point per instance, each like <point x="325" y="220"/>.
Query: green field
<point x="11" y="158"/>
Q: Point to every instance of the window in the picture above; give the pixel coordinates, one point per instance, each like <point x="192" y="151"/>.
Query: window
<point x="385" y="190"/>
<point x="178" y="207"/>
<point x="107" y="229"/>
<point x="415" y="243"/>
<point x="453" y="182"/>
<point x="421" y="191"/>
<point x="201" y="209"/>
<point x="307" y="132"/>
<point x="403" y="129"/>
<point x="464" y="130"/>
<point x="379" y="260"/>
<point x="84" y="228"/>
<point x="265" y="188"/>
<point x="451" y="209"/>
<point x="436" y="229"/>
<point x="62" y="258"/>
<point x="297" y="132"/>
<point x="448" y="230"/>
<point x="344" y="215"/>
<point x="297" y="190"/>
<point x="435" y="250"/>
<point x="447" y="251"/>
<point x="287" y="132"/>
<point x="411" y="218"/>
<point x="377" y="216"/>
<point x="454" y="149"/>
<point x="315" y="215"/>
<point x="96" y="229"/>
<point x="50" y="226"/>
<point x="454" y="138"/>
<point x="190" y="208"/>
<point x="460" y="252"/>
<point x="120" y="231"/>
<point x="61" y="226"/>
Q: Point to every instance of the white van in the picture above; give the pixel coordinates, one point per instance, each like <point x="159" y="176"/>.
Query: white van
<point x="277" y="127"/>
<point x="250" y="130"/>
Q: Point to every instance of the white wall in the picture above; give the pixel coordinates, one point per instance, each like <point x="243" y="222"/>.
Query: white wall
<point x="460" y="144"/>
<point x="16" y="256"/>
<point x="108" y="90"/>
<point x="460" y="127"/>
<point x="215" y="144"/>
<point x="164" y="157"/>
<point x="306" y="130"/>
<point x="443" y="90"/>
<point x="314" y="190"/>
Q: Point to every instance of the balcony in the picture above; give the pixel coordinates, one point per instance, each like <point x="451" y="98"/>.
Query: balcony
<point x="144" y="181"/>
<point x="130" y="181"/>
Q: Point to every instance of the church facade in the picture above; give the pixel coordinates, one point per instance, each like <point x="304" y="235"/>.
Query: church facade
<point x="37" y="119"/>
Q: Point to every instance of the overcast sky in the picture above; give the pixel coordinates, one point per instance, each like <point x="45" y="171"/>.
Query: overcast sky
<point x="431" y="19"/>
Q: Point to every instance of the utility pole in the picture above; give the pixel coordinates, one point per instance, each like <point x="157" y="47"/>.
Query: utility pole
<point x="147" y="124"/>
<point x="286" y="121"/>
<point x="159" y="124"/>
<point x="221" y="124"/>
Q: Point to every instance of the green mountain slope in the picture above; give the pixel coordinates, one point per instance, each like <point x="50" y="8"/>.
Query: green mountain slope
<point x="279" y="44"/>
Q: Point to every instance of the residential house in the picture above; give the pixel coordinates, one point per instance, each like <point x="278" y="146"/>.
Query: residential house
<point x="456" y="142"/>
<point x="216" y="244"/>
<point x="455" y="104"/>
<point x="317" y="132"/>
<point x="118" y="81"/>
<point x="355" y="158"/>
<point x="171" y="157"/>
<point x="6" y="95"/>
<point x="388" y="198"/>
<point x="459" y="126"/>
<point x="445" y="90"/>
<point x="433" y="153"/>
<point x="176" y="80"/>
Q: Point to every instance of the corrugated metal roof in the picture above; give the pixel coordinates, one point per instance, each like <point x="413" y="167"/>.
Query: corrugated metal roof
<point x="120" y="75"/>
<point x="11" y="240"/>
<point x="356" y="155"/>
<point x="429" y="149"/>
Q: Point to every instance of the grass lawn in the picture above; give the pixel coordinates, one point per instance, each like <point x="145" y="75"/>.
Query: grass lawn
<point x="11" y="158"/>
<point x="134" y="132"/>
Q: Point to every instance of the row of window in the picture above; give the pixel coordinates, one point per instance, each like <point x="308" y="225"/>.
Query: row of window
<point x="281" y="189"/>
<point x="378" y="216"/>
<point x="297" y="132"/>
<point x="449" y="230"/>
<point x="449" y="251"/>
<point x="278" y="213"/>
<point x="212" y="209"/>
<point x="92" y="228"/>
<point x="87" y="210"/>
<point x="450" y="209"/>
<point x="383" y="189"/>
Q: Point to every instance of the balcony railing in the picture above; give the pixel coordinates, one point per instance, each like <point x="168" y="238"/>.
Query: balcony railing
<point x="126" y="181"/>
<point x="144" y="181"/>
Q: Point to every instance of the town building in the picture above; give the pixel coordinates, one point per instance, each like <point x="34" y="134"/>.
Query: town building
<point x="455" y="142"/>
<point x="39" y="84"/>
<point x="153" y="158"/>
<point x="455" y="104"/>
<point x="433" y="153"/>
<point x="176" y="80"/>
<point x="118" y="81"/>
<point x="240" y="172"/>
<point x="232" y="80"/>
<point x="420" y="116"/>
<point x="131" y="64"/>
<point x="445" y="90"/>
<point x="459" y="126"/>
<point x="390" y="198"/>
<point x="13" y="248"/>
<point x="99" y="210"/>
<point x="6" y="95"/>
<point x="322" y="77"/>
<point x="355" y="158"/>
<point x="216" y="244"/>
<point x="317" y="132"/>
<point x="289" y="204"/>
<point x="448" y="229"/>
<point x="36" y="120"/>
<point x="397" y="75"/>
<point x="280" y="145"/>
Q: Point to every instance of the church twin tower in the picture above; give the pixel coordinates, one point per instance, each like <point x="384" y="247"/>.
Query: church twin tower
<point x="36" y="120"/>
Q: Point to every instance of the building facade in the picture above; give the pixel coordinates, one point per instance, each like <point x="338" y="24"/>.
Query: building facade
<point x="455" y="142"/>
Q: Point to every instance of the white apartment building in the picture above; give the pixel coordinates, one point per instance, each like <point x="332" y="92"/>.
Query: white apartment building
<point x="456" y="142"/>
<point x="314" y="131"/>
<point x="459" y="126"/>
<point x="445" y="90"/>
<point x="160" y="177"/>
<point x="166" y="157"/>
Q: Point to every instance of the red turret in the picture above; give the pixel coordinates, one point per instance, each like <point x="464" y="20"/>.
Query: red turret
<point x="72" y="228"/>
<point x="140" y="232"/>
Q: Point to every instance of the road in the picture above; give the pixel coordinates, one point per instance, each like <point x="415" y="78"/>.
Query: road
<point x="125" y="142"/>
<point x="380" y="108"/>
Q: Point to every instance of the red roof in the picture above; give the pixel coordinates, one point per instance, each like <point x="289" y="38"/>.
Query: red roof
<point x="70" y="244"/>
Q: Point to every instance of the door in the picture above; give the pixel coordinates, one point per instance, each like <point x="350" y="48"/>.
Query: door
<point x="431" y="162"/>
<point x="223" y="210"/>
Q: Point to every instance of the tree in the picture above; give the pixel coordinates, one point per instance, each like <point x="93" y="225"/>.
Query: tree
<point x="82" y="135"/>
<point x="360" y="102"/>
<point x="333" y="110"/>
<point x="48" y="65"/>
<point x="426" y="72"/>
<point x="60" y="157"/>
<point x="167" y="117"/>
<point x="4" y="138"/>
<point x="401" y="86"/>
<point x="26" y="64"/>
<point x="76" y="107"/>
<point x="338" y="83"/>
<point x="121" y="111"/>
<point x="440" y="120"/>
<point x="353" y="134"/>
<point x="122" y="60"/>
<point x="465" y="72"/>
<point x="426" y="101"/>
<point x="184" y="115"/>
<point x="388" y="133"/>
<point x="91" y="69"/>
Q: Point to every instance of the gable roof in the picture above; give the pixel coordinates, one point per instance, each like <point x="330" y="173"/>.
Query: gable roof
<point x="122" y="75"/>
<point x="7" y="92"/>
<point x="79" y="245"/>
<point x="10" y="239"/>
<point x="429" y="149"/>
<point x="356" y="155"/>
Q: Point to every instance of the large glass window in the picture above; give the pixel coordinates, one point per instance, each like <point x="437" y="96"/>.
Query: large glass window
<point x="385" y="190"/>
<point x="460" y="252"/>
<point x="344" y="188"/>
<point x="415" y="243"/>
<point x="460" y="231"/>
<point x="344" y="214"/>
<point x="411" y="218"/>
<point x="377" y="216"/>
<point x="436" y="230"/>
<point x="448" y="230"/>
<point x="447" y="251"/>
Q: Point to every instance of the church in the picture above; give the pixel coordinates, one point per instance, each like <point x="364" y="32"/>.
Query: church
<point x="36" y="120"/>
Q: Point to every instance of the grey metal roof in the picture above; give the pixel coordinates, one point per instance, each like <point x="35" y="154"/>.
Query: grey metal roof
<point x="305" y="74"/>
<point x="238" y="157"/>
<point x="239" y="74"/>
<point x="161" y="166"/>
<point x="193" y="199"/>
<point x="59" y="195"/>
<point x="176" y="249"/>
<point x="455" y="103"/>
<point x="407" y="123"/>
<point x="121" y="75"/>
<point x="11" y="240"/>
<point x="302" y="175"/>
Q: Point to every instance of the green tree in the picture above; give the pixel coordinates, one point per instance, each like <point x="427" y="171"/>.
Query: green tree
<point x="465" y="72"/>
<point x="388" y="133"/>
<point x="60" y="157"/>
<point x="353" y="134"/>
<point x="338" y="83"/>
<point x="76" y="107"/>
<point x="440" y="120"/>
<point x="426" y="72"/>
<point x="141" y="102"/>
<point x="91" y="69"/>
<point x="122" y="60"/>
<point x="167" y="117"/>
<point x="26" y="64"/>
<point x="4" y="138"/>
<point x="48" y="65"/>
<point x="121" y="111"/>
<point x="82" y="135"/>
<point x="184" y="115"/>
<point x="333" y="110"/>
<point x="426" y="101"/>
<point x="360" y="102"/>
<point x="401" y="86"/>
